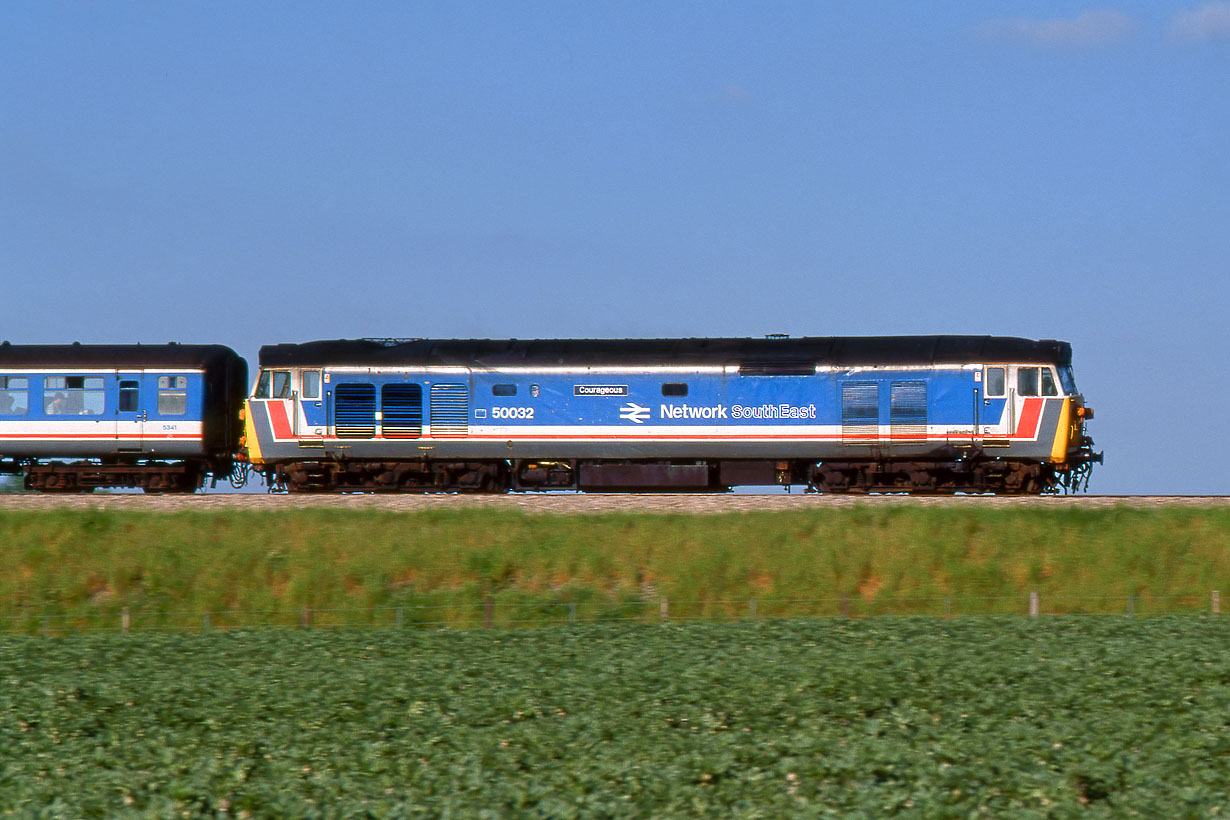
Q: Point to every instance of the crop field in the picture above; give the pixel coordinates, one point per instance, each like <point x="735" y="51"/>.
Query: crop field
<point x="902" y="717"/>
<point x="71" y="570"/>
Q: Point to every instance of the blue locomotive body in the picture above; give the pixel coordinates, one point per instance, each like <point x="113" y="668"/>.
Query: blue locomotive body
<point x="916" y="414"/>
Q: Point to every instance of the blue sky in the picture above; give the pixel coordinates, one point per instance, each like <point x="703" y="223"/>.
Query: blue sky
<point x="252" y="173"/>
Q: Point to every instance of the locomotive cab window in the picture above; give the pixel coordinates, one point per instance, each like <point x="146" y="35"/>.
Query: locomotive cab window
<point x="677" y="389"/>
<point x="311" y="384"/>
<point x="995" y="382"/>
<point x="172" y="395"/>
<point x="1048" y="383"/>
<point x="1027" y="381"/>
<point x="273" y="384"/>
<point x="1066" y="380"/>
<point x="503" y="389"/>
<point x="14" y="395"/>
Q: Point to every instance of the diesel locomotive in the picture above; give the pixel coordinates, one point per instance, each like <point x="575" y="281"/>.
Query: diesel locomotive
<point x="916" y="414"/>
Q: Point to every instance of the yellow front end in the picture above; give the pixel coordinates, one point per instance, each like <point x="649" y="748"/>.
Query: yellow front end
<point x="1071" y="444"/>
<point x="1066" y="432"/>
<point x="249" y="443"/>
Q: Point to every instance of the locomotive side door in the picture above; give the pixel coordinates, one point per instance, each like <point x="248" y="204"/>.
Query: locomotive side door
<point x="309" y="408"/>
<point x="991" y="413"/>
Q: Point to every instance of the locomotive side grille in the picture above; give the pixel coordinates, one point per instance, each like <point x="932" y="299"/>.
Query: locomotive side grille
<point x="908" y="410"/>
<point x="450" y="411"/>
<point x="354" y="410"/>
<point x="401" y="411"/>
<point x="860" y="412"/>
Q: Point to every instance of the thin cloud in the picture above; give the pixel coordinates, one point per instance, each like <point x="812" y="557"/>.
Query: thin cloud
<point x="734" y="91"/>
<point x="1088" y="29"/>
<point x="1209" y="22"/>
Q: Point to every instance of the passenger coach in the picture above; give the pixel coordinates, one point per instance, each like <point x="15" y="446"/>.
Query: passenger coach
<point x="884" y="414"/>
<point x="158" y="417"/>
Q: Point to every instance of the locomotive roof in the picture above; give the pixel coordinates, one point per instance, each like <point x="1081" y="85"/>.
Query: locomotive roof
<point x="769" y="352"/>
<point x="138" y="355"/>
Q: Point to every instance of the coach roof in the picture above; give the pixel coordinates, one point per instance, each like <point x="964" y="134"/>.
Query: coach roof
<point x="114" y="356"/>
<point x="768" y="352"/>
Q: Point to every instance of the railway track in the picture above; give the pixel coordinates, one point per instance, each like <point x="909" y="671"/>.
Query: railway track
<point x="569" y="503"/>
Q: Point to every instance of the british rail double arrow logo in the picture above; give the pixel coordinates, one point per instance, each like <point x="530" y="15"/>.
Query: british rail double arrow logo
<point x="634" y="412"/>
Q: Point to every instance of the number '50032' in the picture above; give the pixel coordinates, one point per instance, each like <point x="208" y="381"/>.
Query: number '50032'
<point x="512" y="412"/>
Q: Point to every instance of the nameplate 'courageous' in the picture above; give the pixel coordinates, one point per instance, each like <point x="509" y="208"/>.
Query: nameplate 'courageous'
<point x="600" y="390"/>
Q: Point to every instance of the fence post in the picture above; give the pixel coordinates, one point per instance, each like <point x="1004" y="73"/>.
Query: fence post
<point x="845" y="607"/>
<point x="947" y="607"/>
<point x="572" y="612"/>
<point x="205" y="622"/>
<point x="664" y="609"/>
<point x="751" y="609"/>
<point x="1033" y="603"/>
<point x="305" y="617"/>
<point x="1215" y="602"/>
<point x="125" y="620"/>
<point x="400" y="618"/>
<point x="1131" y="605"/>
<point x="488" y="611"/>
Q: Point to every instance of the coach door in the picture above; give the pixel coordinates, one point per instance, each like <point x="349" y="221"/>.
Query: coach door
<point x="131" y="412"/>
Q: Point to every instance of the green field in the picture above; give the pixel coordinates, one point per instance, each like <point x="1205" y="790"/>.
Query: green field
<point x="72" y="570"/>
<point x="904" y="717"/>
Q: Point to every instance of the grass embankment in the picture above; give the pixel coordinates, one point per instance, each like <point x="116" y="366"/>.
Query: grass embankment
<point x="891" y="717"/>
<point x="441" y="565"/>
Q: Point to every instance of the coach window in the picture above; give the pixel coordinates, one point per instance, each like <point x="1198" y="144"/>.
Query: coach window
<point x="130" y="396"/>
<point x="311" y="384"/>
<point x="14" y="395"/>
<point x="1048" y="383"/>
<point x="93" y="396"/>
<point x="674" y="389"/>
<point x="172" y="395"/>
<point x="1027" y="381"/>
<point x="73" y="395"/>
<point x="995" y="382"/>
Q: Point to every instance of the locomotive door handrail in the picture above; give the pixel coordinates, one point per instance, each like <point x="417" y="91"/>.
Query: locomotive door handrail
<point x="977" y="432"/>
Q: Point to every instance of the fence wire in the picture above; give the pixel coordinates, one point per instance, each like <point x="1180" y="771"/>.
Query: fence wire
<point x="491" y="612"/>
